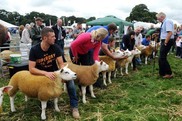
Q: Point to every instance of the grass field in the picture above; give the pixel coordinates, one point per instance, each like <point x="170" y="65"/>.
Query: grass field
<point x="139" y="96"/>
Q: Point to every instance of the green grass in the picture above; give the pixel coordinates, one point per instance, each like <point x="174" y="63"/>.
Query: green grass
<point x="139" y="96"/>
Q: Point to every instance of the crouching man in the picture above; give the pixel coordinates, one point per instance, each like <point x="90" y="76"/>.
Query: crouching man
<point x="42" y="61"/>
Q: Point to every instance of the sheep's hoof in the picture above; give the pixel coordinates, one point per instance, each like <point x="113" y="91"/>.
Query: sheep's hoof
<point x="93" y="96"/>
<point x="43" y="117"/>
<point x="84" y="101"/>
<point x="57" y="110"/>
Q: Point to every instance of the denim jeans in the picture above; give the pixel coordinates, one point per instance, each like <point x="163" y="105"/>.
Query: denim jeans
<point x="72" y="94"/>
<point x="164" y="67"/>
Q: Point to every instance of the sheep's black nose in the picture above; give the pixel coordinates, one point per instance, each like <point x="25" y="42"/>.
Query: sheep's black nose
<point x="75" y="75"/>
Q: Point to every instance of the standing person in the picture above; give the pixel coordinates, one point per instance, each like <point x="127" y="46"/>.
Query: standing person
<point x="138" y="42"/>
<point x="26" y="35"/>
<point x="166" y="37"/>
<point x="43" y="60"/>
<point x="77" y="30"/>
<point x="60" y="33"/>
<point x="36" y="30"/>
<point x="128" y="42"/>
<point x="21" y="28"/>
<point x="83" y="43"/>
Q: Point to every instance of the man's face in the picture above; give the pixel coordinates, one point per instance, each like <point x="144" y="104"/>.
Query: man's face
<point x="50" y="38"/>
<point x="160" y="18"/>
<point x="39" y="22"/>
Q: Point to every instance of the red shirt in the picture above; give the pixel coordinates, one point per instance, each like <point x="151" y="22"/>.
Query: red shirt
<point x="83" y="43"/>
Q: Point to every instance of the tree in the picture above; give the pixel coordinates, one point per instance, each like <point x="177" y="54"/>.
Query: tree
<point x="141" y="13"/>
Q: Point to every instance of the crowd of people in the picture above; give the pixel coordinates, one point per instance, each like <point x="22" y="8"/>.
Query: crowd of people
<point x="46" y="56"/>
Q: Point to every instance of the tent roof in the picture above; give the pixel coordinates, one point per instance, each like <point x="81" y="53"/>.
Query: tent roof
<point x="109" y="19"/>
<point x="6" y="24"/>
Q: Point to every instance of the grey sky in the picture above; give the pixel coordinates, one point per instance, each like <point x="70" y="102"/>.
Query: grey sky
<point x="97" y="8"/>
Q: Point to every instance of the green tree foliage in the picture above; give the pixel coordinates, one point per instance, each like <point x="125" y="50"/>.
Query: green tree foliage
<point x="17" y="19"/>
<point x="141" y="13"/>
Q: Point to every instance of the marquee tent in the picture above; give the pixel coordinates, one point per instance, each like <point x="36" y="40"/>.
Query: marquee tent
<point x="6" y="24"/>
<point x="111" y="19"/>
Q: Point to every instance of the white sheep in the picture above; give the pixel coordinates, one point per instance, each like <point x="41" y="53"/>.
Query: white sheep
<point x="125" y="62"/>
<point x="40" y="87"/>
<point x="111" y="62"/>
<point x="88" y="75"/>
<point x="3" y="90"/>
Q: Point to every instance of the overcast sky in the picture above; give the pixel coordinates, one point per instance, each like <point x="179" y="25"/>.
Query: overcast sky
<point x="90" y="8"/>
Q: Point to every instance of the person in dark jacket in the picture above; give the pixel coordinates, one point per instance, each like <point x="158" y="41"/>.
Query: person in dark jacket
<point x="36" y="30"/>
<point x="60" y="33"/>
<point x="128" y="42"/>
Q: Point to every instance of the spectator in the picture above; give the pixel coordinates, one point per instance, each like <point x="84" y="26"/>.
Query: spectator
<point x="36" y="30"/>
<point x="60" y="33"/>
<point x="26" y="35"/>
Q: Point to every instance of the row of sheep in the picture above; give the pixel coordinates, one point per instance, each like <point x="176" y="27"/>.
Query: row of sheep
<point x="44" y="89"/>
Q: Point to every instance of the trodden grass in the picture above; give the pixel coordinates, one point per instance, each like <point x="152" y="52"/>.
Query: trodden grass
<point x="139" y="96"/>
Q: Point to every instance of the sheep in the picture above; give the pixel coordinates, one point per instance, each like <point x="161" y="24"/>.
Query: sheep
<point x="111" y="63"/>
<point x="3" y="90"/>
<point x="148" y="50"/>
<point x="87" y="76"/>
<point x="125" y="62"/>
<point x="41" y="87"/>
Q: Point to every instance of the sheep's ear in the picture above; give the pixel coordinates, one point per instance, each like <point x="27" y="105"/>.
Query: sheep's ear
<point x="5" y="89"/>
<point x="66" y="66"/>
<point x="61" y="70"/>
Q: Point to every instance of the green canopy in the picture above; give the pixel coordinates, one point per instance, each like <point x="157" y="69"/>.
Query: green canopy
<point x="110" y="19"/>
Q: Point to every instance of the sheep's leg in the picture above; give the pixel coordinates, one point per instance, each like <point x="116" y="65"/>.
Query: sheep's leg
<point x="115" y="71"/>
<point x="12" y="103"/>
<point x="109" y="77"/>
<point x="91" y="91"/>
<point x="83" y="94"/>
<point x="146" y="60"/>
<point x="26" y="98"/>
<point x="126" y="68"/>
<point x="56" y="105"/>
<point x="44" y="105"/>
<point x="65" y="88"/>
<point x="104" y="78"/>
<point x="121" y="71"/>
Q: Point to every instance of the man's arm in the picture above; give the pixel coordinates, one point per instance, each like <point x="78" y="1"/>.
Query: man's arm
<point x="60" y="62"/>
<point x="169" y="34"/>
<point x="34" y="70"/>
<point x="104" y="47"/>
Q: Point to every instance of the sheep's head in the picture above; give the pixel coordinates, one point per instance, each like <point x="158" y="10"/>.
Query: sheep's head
<point x="2" y="91"/>
<point x="102" y="66"/>
<point x="66" y="74"/>
<point x="127" y="53"/>
<point x="117" y="53"/>
<point x="136" y="51"/>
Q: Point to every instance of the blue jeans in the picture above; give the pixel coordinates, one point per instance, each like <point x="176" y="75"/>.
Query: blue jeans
<point x="72" y="94"/>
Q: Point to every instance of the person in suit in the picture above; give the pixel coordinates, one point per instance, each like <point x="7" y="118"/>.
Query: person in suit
<point x="60" y="33"/>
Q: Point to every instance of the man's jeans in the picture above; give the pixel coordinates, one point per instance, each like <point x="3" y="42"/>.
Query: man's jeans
<point x="72" y="94"/>
<point x="164" y="67"/>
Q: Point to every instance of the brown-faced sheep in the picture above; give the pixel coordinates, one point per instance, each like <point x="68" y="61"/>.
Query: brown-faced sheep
<point x="40" y="87"/>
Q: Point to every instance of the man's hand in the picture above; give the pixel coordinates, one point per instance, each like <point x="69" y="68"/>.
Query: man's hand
<point x="50" y="75"/>
<point x="75" y="59"/>
<point x="119" y="58"/>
